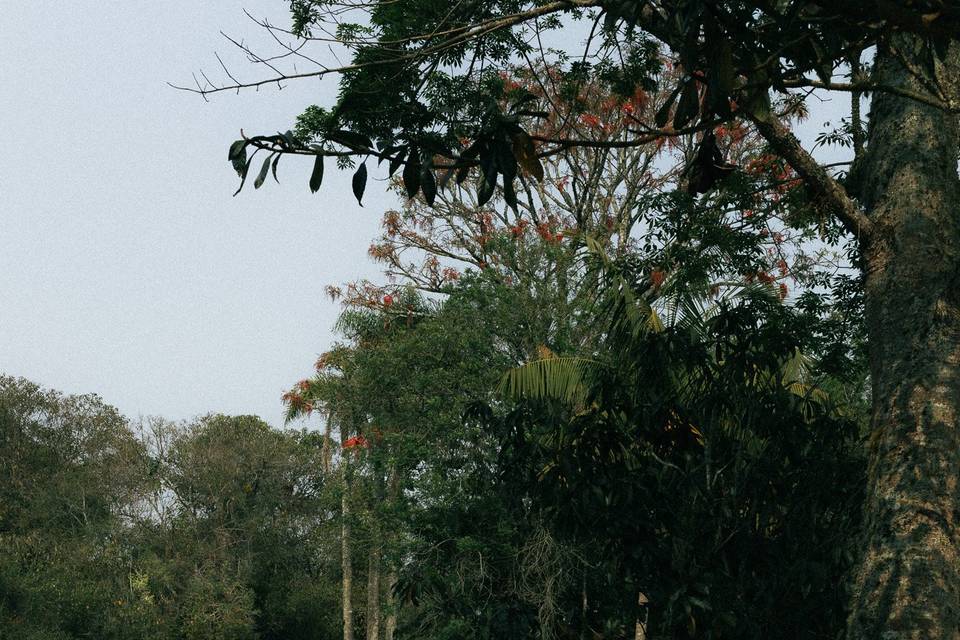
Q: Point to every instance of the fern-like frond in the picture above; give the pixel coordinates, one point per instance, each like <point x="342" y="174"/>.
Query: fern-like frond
<point x="556" y="378"/>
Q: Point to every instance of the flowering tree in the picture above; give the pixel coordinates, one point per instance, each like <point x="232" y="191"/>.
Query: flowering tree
<point x="423" y="77"/>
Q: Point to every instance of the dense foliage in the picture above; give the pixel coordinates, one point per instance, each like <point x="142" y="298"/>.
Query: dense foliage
<point x="615" y="384"/>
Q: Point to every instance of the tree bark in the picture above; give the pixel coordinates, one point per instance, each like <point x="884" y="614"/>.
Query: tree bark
<point x="373" y="582"/>
<point x="346" y="563"/>
<point x="908" y="581"/>
<point x="390" y="624"/>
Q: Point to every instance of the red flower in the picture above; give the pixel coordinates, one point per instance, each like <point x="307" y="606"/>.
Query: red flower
<point x="355" y="441"/>
<point x="590" y="120"/>
<point x="387" y="300"/>
<point x="783" y="291"/>
<point x="657" y="277"/>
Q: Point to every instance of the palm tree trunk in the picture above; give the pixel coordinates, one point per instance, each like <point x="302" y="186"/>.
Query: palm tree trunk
<point x="908" y="583"/>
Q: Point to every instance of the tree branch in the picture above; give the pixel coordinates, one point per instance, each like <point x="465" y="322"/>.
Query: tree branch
<point x="827" y="193"/>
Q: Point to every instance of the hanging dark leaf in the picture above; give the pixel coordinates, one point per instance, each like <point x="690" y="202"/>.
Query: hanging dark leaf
<point x="466" y="160"/>
<point x="258" y="181"/>
<point x="397" y="160"/>
<point x="663" y="113"/>
<point x="316" y="178"/>
<point x="411" y="173"/>
<point x="510" y="194"/>
<point x="275" y="162"/>
<point x="360" y="182"/>
<point x="488" y="184"/>
<point x="720" y="81"/>
<point x="236" y="149"/>
<point x="386" y="153"/>
<point x="238" y="156"/>
<point x="708" y="166"/>
<point x="428" y="184"/>
<point x="505" y="161"/>
<point x="244" y="171"/>
<point x="689" y="105"/>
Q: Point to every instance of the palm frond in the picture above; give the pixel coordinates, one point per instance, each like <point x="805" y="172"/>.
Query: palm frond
<point x="555" y="378"/>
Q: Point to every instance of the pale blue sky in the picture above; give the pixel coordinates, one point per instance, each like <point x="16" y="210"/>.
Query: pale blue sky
<point x="126" y="268"/>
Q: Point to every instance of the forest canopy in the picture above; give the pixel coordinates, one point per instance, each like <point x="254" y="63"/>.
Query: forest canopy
<point x="640" y="364"/>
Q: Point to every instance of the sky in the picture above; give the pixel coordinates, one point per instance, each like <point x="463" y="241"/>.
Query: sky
<point x="126" y="267"/>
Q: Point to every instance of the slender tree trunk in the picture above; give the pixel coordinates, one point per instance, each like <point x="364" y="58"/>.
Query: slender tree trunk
<point x="390" y="624"/>
<point x="373" y="582"/>
<point x="346" y="563"/>
<point x="347" y="568"/>
<point x="908" y="583"/>
<point x="326" y="452"/>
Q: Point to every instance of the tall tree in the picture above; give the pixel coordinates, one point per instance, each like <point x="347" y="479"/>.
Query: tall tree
<point x="423" y="84"/>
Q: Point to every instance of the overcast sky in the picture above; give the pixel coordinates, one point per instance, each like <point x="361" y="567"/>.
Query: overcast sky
<point x="126" y="267"/>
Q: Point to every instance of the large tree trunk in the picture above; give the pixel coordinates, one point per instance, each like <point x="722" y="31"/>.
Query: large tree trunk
<point x="908" y="583"/>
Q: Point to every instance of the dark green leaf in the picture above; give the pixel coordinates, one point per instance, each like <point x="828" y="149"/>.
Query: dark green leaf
<point x="244" y="171"/>
<point x="663" y="113"/>
<point x="465" y="159"/>
<point x="397" y="160"/>
<point x="510" y="194"/>
<point x="428" y="185"/>
<point x="360" y="182"/>
<point x="316" y="178"/>
<point x="275" y="162"/>
<point x="258" y="181"/>
<point x="689" y="105"/>
<point x="411" y="173"/>
<point x="236" y="148"/>
<point x="488" y="183"/>
<point x="506" y="162"/>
